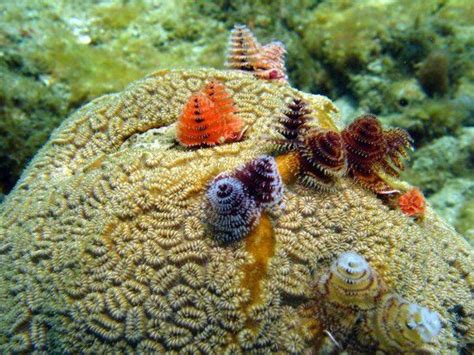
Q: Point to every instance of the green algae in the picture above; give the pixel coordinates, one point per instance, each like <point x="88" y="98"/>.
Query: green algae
<point x="444" y="169"/>
<point x="117" y="15"/>
<point x="464" y="221"/>
<point x="432" y="167"/>
<point x="29" y="111"/>
<point x="89" y="71"/>
<point x="54" y="57"/>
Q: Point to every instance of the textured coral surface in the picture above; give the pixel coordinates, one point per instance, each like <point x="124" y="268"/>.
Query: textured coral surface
<point x="103" y="246"/>
<point x="413" y="70"/>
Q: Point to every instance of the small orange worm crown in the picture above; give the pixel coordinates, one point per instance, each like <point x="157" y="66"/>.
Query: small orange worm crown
<point x="209" y="118"/>
<point x="412" y="203"/>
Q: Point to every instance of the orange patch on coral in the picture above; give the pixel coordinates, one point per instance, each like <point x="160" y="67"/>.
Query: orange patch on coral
<point x="313" y="329"/>
<point x="96" y="164"/>
<point x="288" y="166"/>
<point x="260" y="243"/>
<point x="412" y="203"/>
<point x="208" y="118"/>
<point x="107" y="235"/>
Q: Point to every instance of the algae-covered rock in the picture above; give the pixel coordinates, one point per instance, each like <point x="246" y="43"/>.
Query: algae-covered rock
<point x="104" y="246"/>
<point x="443" y="159"/>
<point x="444" y="169"/>
<point x="54" y="56"/>
<point x="453" y="198"/>
<point x="465" y="218"/>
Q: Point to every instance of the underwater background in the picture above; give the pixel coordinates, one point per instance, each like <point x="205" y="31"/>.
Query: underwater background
<point x="408" y="62"/>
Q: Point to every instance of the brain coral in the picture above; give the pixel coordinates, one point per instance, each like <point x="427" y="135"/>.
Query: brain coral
<point x="103" y="247"/>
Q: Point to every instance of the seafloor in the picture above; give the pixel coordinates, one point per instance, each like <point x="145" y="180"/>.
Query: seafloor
<point x="409" y="62"/>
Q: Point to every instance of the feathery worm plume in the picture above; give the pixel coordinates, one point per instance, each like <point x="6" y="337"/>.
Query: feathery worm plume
<point x="209" y="118"/>
<point x="230" y="211"/>
<point x="246" y="53"/>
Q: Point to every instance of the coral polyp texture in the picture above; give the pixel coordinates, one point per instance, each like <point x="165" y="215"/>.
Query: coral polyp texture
<point x="104" y="246"/>
<point x="209" y="118"/>
<point x="246" y="53"/>
<point x="371" y="150"/>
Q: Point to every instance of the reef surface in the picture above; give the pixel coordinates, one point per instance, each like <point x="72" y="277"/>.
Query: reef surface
<point x="104" y="246"/>
<point x="414" y="70"/>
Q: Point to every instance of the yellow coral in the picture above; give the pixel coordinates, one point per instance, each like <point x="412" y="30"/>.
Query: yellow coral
<point x="260" y="244"/>
<point x="288" y="166"/>
<point x="103" y="247"/>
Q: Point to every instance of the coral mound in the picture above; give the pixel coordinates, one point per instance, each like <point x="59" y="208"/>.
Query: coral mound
<point x="104" y="246"/>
